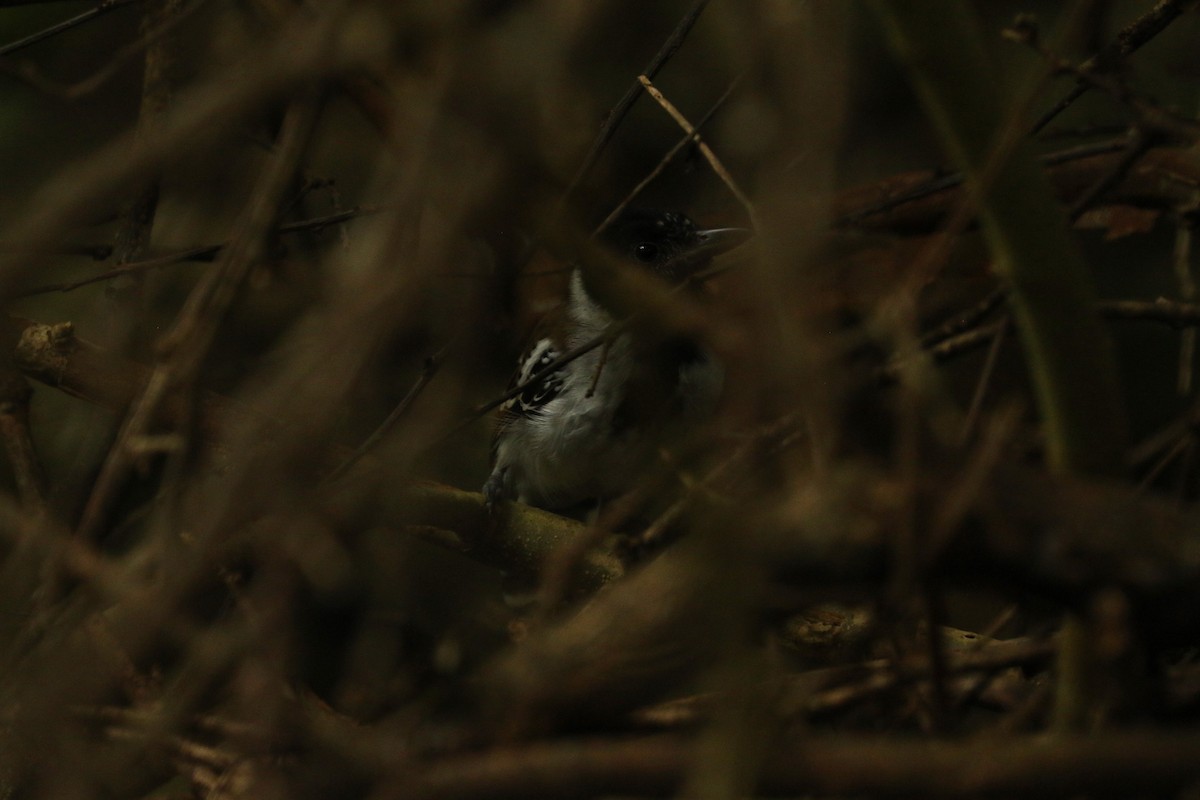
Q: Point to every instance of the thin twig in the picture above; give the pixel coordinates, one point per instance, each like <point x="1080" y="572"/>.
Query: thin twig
<point x="299" y="54"/>
<point x="430" y="369"/>
<point x="1139" y="144"/>
<point x="965" y="320"/>
<point x="1131" y="37"/>
<point x="92" y="13"/>
<point x="18" y="442"/>
<point x="137" y="222"/>
<point x="948" y="348"/>
<point x="202" y="253"/>
<point x="1112" y="762"/>
<point x="599" y="368"/>
<point x="1162" y="310"/>
<point x="1151" y="116"/>
<point x="667" y="159"/>
<point x="942" y="182"/>
<point x="1170" y="312"/>
<point x="1181" y="259"/>
<point x="981" y="386"/>
<point x="705" y="150"/>
<point x="618" y="112"/>
<point x="28" y="72"/>
<point x="186" y="345"/>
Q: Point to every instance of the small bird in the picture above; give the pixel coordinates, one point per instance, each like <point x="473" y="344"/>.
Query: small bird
<point x="588" y="429"/>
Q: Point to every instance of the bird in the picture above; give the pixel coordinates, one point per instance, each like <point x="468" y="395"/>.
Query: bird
<point x="581" y="430"/>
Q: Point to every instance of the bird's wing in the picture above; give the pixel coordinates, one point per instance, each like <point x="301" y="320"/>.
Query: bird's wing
<point x="533" y="398"/>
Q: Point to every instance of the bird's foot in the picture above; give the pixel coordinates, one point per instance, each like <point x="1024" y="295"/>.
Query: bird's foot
<point x="496" y="490"/>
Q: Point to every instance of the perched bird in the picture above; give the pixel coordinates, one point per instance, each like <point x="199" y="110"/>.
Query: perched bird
<point x="587" y="430"/>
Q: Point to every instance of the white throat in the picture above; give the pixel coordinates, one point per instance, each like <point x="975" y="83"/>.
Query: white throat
<point x="589" y="318"/>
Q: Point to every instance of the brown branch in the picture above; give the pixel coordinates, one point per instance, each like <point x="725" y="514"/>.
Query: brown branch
<point x="432" y="365"/>
<point x="1128" y="40"/>
<point x="942" y="344"/>
<point x="667" y="158"/>
<point x="202" y="253"/>
<point x="1099" y="764"/>
<point x="302" y="52"/>
<point x="1151" y="116"/>
<point x="1020" y="529"/>
<point x="1140" y="142"/>
<point x="920" y="202"/>
<point x="623" y="106"/>
<point x="818" y="693"/>
<point x="100" y="9"/>
<point x="1171" y="312"/>
<point x="516" y="542"/>
<point x="26" y="71"/>
<point x="14" y="430"/>
<point x="964" y="320"/>
<point x="187" y="344"/>
<point x="705" y="150"/>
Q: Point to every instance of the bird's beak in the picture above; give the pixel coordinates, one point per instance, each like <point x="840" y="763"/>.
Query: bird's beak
<point x="710" y="243"/>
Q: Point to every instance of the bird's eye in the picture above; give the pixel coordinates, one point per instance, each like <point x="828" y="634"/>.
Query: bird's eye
<point x="646" y="252"/>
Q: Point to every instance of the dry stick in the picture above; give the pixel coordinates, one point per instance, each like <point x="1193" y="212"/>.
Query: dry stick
<point x="1152" y="116"/>
<point x="1182" y="258"/>
<point x="705" y="150"/>
<point x="92" y="13"/>
<point x="667" y="159"/>
<point x="432" y="365"/>
<point x="187" y="344"/>
<point x="1105" y="763"/>
<point x="14" y="429"/>
<point x="1166" y="437"/>
<point x="1185" y="471"/>
<point x="1171" y="312"/>
<point x="1182" y="261"/>
<point x="591" y="391"/>
<point x="941" y="183"/>
<point x="1161" y="310"/>
<point x="96" y="252"/>
<point x="618" y="112"/>
<point x="982" y="385"/>
<point x="980" y="685"/>
<point x="965" y="320"/>
<point x="945" y="349"/>
<point x="1139" y="144"/>
<point x="247" y="736"/>
<point x="887" y="675"/>
<point x="1179" y="446"/>
<point x="827" y="690"/>
<point x="28" y="73"/>
<point x="133" y="236"/>
<point x="934" y="608"/>
<point x="1182" y="315"/>
<point x="202" y="253"/>
<point x="1131" y="37"/>
<point x="304" y="50"/>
